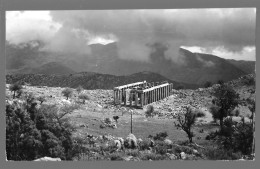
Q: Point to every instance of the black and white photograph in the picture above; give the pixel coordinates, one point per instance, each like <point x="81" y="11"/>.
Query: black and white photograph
<point x="130" y="84"/>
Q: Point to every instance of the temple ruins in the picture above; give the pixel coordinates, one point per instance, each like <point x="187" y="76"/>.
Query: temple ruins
<point x="141" y="93"/>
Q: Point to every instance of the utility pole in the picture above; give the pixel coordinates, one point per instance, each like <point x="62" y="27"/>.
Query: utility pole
<point x="131" y="124"/>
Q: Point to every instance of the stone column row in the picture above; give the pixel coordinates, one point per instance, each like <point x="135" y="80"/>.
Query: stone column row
<point x="156" y="94"/>
<point x="145" y="98"/>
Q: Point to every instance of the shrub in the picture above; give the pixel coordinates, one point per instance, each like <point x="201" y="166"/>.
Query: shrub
<point x="144" y="145"/>
<point x="41" y="99"/>
<point x="83" y="97"/>
<point x="217" y="153"/>
<point x="249" y="80"/>
<point x="161" y="147"/>
<point x="115" y="157"/>
<point x="134" y="153"/>
<point x="79" y="89"/>
<point x="149" y="111"/>
<point x="67" y="92"/>
<point x="199" y="113"/>
<point x="153" y="157"/>
<point x="160" y="136"/>
<point x="220" y="82"/>
<point x="182" y="148"/>
<point x="179" y="87"/>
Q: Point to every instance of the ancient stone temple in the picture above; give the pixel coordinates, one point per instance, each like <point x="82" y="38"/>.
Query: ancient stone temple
<point x="141" y="93"/>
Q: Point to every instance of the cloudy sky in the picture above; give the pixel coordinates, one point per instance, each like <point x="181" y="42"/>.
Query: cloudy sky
<point x="227" y="33"/>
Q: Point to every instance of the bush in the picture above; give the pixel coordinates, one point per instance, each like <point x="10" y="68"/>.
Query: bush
<point x="149" y="111"/>
<point x="160" y="136"/>
<point x="185" y="149"/>
<point x="134" y="153"/>
<point x="220" y="82"/>
<point x="161" y="147"/>
<point x="217" y="153"/>
<point x="179" y="87"/>
<point x="153" y="157"/>
<point x="199" y="113"/>
<point x="79" y="89"/>
<point x="83" y="97"/>
<point x="144" y="145"/>
<point x="249" y="80"/>
<point x="115" y="157"/>
<point x="41" y="99"/>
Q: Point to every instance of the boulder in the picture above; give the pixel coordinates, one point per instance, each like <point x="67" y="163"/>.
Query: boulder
<point x="195" y="152"/>
<point x="121" y="140"/>
<point x="130" y="141"/>
<point x="48" y="159"/>
<point x="168" y="141"/>
<point x="183" y="155"/>
<point x="172" y="156"/>
<point x="139" y="140"/>
<point x="131" y="158"/>
<point x="118" y="144"/>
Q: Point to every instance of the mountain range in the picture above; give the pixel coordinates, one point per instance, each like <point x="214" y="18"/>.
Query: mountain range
<point x="196" y="68"/>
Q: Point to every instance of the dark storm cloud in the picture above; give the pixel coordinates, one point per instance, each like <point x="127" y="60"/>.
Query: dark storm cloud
<point x="208" y="28"/>
<point x="135" y="30"/>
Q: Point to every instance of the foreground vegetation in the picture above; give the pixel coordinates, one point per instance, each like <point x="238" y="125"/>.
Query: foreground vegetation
<point x="35" y="129"/>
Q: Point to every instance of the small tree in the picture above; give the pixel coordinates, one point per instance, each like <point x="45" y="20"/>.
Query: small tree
<point x="226" y="99"/>
<point x="83" y="97"/>
<point x="251" y="107"/>
<point x="41" y="99"/>
<point x="67" y="92"/>
<point x="185" y="122"/>
<point x="15" y="88"/>
<point x="79" y="89"/>
<point x="221" y="82"/>
<point x="207" y="84"/>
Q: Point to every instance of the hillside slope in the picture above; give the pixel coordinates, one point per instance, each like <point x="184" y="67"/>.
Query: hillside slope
<point x="89" y="80"/>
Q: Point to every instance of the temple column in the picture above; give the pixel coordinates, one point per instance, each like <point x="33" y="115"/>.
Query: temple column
<point x="142" y="99"/>
<point x="136" y="98"/>
<point x="120" y="97"/>
<point x="131" y="98"/>
<point x="125" y="101"/>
